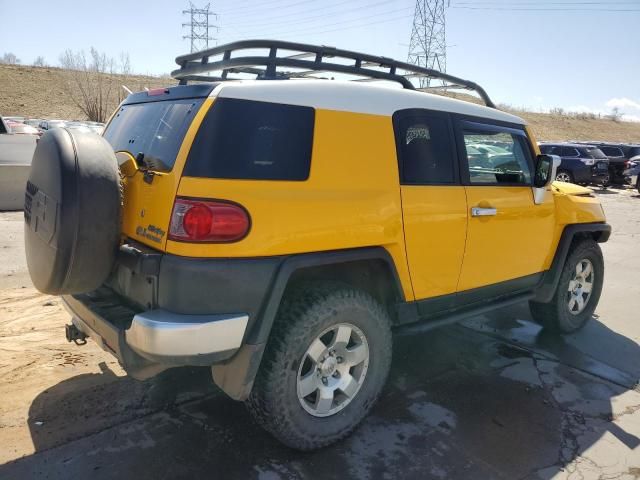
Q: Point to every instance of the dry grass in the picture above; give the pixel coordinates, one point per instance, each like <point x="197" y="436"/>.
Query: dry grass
<point x="563" y="127"/>
<point x="39" y="92"/>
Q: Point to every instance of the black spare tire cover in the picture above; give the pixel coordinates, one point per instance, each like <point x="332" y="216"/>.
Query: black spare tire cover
<point x="72" y="212"/>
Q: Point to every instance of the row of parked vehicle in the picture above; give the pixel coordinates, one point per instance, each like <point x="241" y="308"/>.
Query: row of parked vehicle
<point x="597" y="163"/>
<point x="37" y="126"/>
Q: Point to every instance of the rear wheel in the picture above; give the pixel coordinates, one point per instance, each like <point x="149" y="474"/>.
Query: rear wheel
<point x="577" y="293"/>
<point x="328" y="358"/>
<point x="564" y="176"/>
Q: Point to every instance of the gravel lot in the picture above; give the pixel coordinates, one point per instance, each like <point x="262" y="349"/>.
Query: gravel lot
<point x="492" y="398"/>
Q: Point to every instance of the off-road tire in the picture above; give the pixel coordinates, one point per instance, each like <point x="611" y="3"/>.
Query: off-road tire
<point x="555" y="315"/>
<point x="304" y="314"/>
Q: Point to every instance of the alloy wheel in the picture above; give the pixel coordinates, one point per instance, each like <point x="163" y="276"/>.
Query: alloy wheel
<point x="332" y="370"/>
<point x="580" y="286"/>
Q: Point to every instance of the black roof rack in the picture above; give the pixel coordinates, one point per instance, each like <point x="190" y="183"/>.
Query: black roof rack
<point x="307" y="61"/>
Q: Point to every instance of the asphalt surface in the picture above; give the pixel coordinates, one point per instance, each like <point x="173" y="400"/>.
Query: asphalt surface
<point x="493" y="398"/>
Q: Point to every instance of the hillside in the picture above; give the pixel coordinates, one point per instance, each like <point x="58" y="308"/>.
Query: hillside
<point x="40" y="92"/>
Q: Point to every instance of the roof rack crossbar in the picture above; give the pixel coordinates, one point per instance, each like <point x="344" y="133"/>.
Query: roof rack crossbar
<point x="307" y="59"/>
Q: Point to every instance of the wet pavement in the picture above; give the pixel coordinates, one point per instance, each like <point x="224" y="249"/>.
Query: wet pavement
<point x="492" y="398"/>
<point x="461" y="403"/>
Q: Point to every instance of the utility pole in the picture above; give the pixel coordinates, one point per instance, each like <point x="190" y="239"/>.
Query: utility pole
<point x="428" y="47"/>
<point x="200" y="26"/>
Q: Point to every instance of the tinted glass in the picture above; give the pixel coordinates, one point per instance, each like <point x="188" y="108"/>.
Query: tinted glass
<point x="425" y="146"/>
<point x="570" y="152"/>
<point x="155" y="129"/>
<point x="510" y="165"/>
<point x="595" y="153"/>
<point x="633" y="151"/>
<point x="545" y="149"/>
<point x="245" y="139"/>
<point x="612" y="151"/>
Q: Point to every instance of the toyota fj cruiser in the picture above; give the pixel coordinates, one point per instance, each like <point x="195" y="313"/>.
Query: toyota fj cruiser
<point x="278" y="229"/>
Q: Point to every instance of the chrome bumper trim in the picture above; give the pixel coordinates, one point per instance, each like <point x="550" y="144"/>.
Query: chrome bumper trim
<point x="164" y="334"/>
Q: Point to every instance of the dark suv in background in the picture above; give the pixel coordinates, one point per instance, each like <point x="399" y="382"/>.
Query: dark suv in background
<point x="619" y="156"/>
<point x="580" y="163"/>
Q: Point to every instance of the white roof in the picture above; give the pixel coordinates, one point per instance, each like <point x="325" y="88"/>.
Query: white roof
<point x="349" y="96"/>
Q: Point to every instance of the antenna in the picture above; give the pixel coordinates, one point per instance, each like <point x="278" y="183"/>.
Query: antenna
<point x="200" y="26"/>
<point x="428" y="47"/>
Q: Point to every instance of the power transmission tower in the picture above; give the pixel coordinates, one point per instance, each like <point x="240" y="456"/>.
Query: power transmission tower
<point x="200" y="26"/>
<point x="428" y="47"/>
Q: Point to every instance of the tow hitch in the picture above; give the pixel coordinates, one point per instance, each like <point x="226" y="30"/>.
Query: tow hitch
<point x="74" y="335"/>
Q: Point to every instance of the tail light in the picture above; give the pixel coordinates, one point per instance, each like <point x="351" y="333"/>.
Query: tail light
<point x="208" y="221"/>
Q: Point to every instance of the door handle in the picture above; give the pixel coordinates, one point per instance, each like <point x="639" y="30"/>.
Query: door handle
<point x="483" y="212"/>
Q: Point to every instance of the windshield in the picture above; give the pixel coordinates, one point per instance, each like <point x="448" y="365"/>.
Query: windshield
<point x="154" y="129"/>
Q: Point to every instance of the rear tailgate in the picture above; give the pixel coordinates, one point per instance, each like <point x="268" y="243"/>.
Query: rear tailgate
<point x="155" y="130"/>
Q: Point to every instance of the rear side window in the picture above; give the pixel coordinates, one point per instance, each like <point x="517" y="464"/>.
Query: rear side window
<point x="243" y="139"/>
<point x="154" y="129"/>
<point x="570" y="152"/>
<point x="596" y="153"/>
<point x="425" y="148"/>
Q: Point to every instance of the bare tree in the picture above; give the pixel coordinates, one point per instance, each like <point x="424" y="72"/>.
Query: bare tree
<point x="10" y="59"/>
<point x="39" y="61"/>
<point x="615" y="114"/>
<point x="93" y="83"/>
<point x="125" y="63"/>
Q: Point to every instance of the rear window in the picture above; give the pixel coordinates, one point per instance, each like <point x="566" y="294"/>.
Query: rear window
<point x="154" y="129"/>
<point x="612" y="151"/>
<point x="242" y="139"/>
<point x="595" y="153"/>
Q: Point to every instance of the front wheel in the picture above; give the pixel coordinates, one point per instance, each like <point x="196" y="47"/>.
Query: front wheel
<point x="327" y="360"/>
<point x="577" y="293"/>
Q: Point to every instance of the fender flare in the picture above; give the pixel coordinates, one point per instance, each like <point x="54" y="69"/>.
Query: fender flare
<point x="549" y="282"/>
<point x="236" y="376"/>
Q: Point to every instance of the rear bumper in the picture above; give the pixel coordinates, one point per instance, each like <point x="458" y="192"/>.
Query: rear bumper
<point x="146" y="343"/>
<point x="160" y="335"/>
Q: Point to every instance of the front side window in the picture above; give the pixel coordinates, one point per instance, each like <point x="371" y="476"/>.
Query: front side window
<point x="425" y="149"/>
<point x="496" y="157"/>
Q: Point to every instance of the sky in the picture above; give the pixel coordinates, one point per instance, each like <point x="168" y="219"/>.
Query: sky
<point x="582" y="56"/>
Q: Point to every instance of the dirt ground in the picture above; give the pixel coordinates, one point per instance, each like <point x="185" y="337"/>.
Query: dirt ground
<point x="494" y="397"/>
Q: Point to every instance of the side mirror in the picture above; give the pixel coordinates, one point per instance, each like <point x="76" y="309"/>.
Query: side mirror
<point x="545" y="172"/>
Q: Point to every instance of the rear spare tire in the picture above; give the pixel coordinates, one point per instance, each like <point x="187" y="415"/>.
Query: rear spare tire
<point x="72" y="212"/>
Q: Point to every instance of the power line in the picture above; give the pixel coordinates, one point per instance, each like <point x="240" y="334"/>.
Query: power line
<point x="550" y="6"/>
<point x="307" y="30"/>
<point x="340" y="29"/>
<point x="324" y="16"/>
<point x="257" y="6"/>
<point x="252" y="23"/>
<point x="514" y="4"/>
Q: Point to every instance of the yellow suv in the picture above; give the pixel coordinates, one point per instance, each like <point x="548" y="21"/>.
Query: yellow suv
<point x="278" y="229"/>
